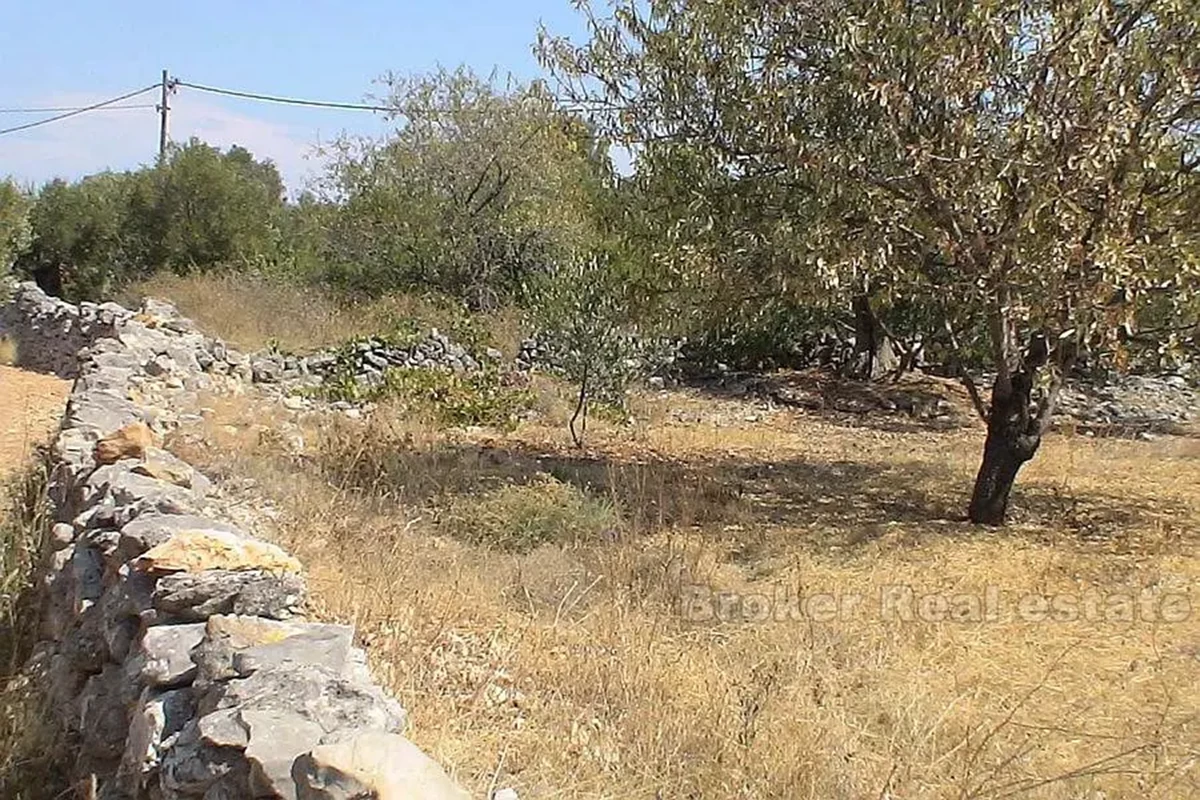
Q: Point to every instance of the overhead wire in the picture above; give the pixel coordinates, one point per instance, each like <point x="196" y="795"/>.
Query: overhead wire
<point x="296" y="101"/>
<point x="56" y="109"/>
<point x="270" y="98"/>
<point x="110" y="104"/>
<point x="78" y="111"/>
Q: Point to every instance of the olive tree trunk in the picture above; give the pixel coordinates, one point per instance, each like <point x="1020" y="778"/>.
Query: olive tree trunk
<point x="1014" y="433"/>
<point x="875" y="356"/>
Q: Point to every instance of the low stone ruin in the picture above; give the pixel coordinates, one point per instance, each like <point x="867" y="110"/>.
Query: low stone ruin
<point x="176" y="653"/>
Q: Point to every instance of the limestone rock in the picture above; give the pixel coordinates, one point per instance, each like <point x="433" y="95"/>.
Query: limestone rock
<point x="377" y="765"/>
<point x="339" y="706"/>
<point x="164" y="657"/>
<point x="87" y="571"/>
<point x="224" y="728"/>
<point x="277" y="737"/>
<point x="61" y="535"/>
<point x="226" y="634"/>
<point x="157" y="719"/>
<point x="193" y="597"/>
<point x="198" y="550"/>
<point x="130" y="441"/>
<point x="193" y="766"/>
<point x="117" y="485"/>
<point x="102" y="717"/>
<point x="238" y="646"/>
<point x="163" y="466"/>
<point x="151" y="529"/>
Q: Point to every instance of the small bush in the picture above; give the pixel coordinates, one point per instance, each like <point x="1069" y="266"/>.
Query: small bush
<point x="447" y="398"/>
<point x="521" y="517"/>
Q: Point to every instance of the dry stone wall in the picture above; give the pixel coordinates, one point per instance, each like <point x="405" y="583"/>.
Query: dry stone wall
<point x="176" y="649"/>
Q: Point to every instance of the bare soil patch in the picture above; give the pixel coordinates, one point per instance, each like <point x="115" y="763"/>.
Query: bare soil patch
<point x="31" y="405"/>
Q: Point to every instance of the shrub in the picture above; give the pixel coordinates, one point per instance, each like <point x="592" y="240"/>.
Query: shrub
<point x="448" y="398"/>
<point x="583" y="311"/>
<point x="521" y="517"/>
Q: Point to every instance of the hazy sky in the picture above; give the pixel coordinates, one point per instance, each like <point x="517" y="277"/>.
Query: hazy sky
<point x="76" y="52"/>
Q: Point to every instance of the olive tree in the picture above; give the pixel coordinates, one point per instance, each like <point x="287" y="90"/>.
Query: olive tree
<point x="1026" y="167"/>
<point x="587" y="314"/>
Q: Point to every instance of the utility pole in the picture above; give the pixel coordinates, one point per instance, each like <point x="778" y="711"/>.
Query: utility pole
<point x="163" y="109"/>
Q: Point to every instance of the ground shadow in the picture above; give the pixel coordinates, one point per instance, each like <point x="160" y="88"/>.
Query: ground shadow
<point x="853" y="502"/>
<point x="915" y="402"/>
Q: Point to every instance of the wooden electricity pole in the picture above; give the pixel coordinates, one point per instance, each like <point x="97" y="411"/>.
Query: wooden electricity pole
<point x="163" y="109"/>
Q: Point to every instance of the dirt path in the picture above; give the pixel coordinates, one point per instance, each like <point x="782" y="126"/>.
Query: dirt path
<point x="30" y="407"/>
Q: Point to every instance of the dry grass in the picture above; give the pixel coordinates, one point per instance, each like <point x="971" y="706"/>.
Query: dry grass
<point x="256" y="314"/>
<point x="571" y="671"/>
<point x="28" y="746"/>
<point x="30" y="405"/>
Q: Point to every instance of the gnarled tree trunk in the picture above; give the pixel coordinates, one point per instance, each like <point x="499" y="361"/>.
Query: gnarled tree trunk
<point x="1015" y="428"/>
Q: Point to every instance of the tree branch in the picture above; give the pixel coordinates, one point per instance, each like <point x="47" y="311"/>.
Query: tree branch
<point x="976" y="398"/>
<point x="964" y="376"/>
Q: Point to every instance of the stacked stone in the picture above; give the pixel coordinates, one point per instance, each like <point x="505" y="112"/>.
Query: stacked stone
<point x="1134" y="402"/>
<point x="368" y="358"/>
<point x="49" y="333"/>
<point x="176" y="653"/>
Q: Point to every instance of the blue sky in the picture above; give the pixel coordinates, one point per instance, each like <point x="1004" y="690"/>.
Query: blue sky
<point x="76" y="52"/>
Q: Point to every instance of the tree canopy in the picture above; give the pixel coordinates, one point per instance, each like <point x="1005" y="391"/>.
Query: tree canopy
<point x="14" y="223"/>
<point x="197" y="209"/>
<point x="1027" y="167"/>
<point x="479" y="185"/>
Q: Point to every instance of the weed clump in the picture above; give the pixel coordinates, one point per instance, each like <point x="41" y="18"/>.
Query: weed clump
<point x="521" y="517"/>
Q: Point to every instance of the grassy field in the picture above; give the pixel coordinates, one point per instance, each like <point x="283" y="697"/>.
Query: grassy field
<point x="723" y="599"/>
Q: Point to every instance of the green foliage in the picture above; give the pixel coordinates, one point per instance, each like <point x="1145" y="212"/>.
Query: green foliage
<point x="583" y="312"/>
<point x="763" y="335"/>
<point x="15" y="231"/>
<point x="199" y="209"/>
<point x="522" y="517"/>
<point x="1029" y="164"/>
<point x="81" y="243"/>
<point x="204" y="208"/>
<point x="481" y="187"/>
<point x="448" y="398"/>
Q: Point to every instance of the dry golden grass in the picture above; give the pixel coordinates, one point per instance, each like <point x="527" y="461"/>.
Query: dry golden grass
<point x="255" y="314"/>
<point x="28" y="751"/>
<point x="571" y="671"/>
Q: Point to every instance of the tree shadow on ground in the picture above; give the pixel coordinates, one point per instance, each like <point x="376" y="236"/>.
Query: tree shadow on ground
<point x="1097" y="520"/>
<point x="853" y="502"/>
<point x="912" y="403"/>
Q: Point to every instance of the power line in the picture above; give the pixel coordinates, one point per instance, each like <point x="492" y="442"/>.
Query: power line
<point x="78" y="111"/>
<point x="56" y="109"/>
<point x="294" y="101"/>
